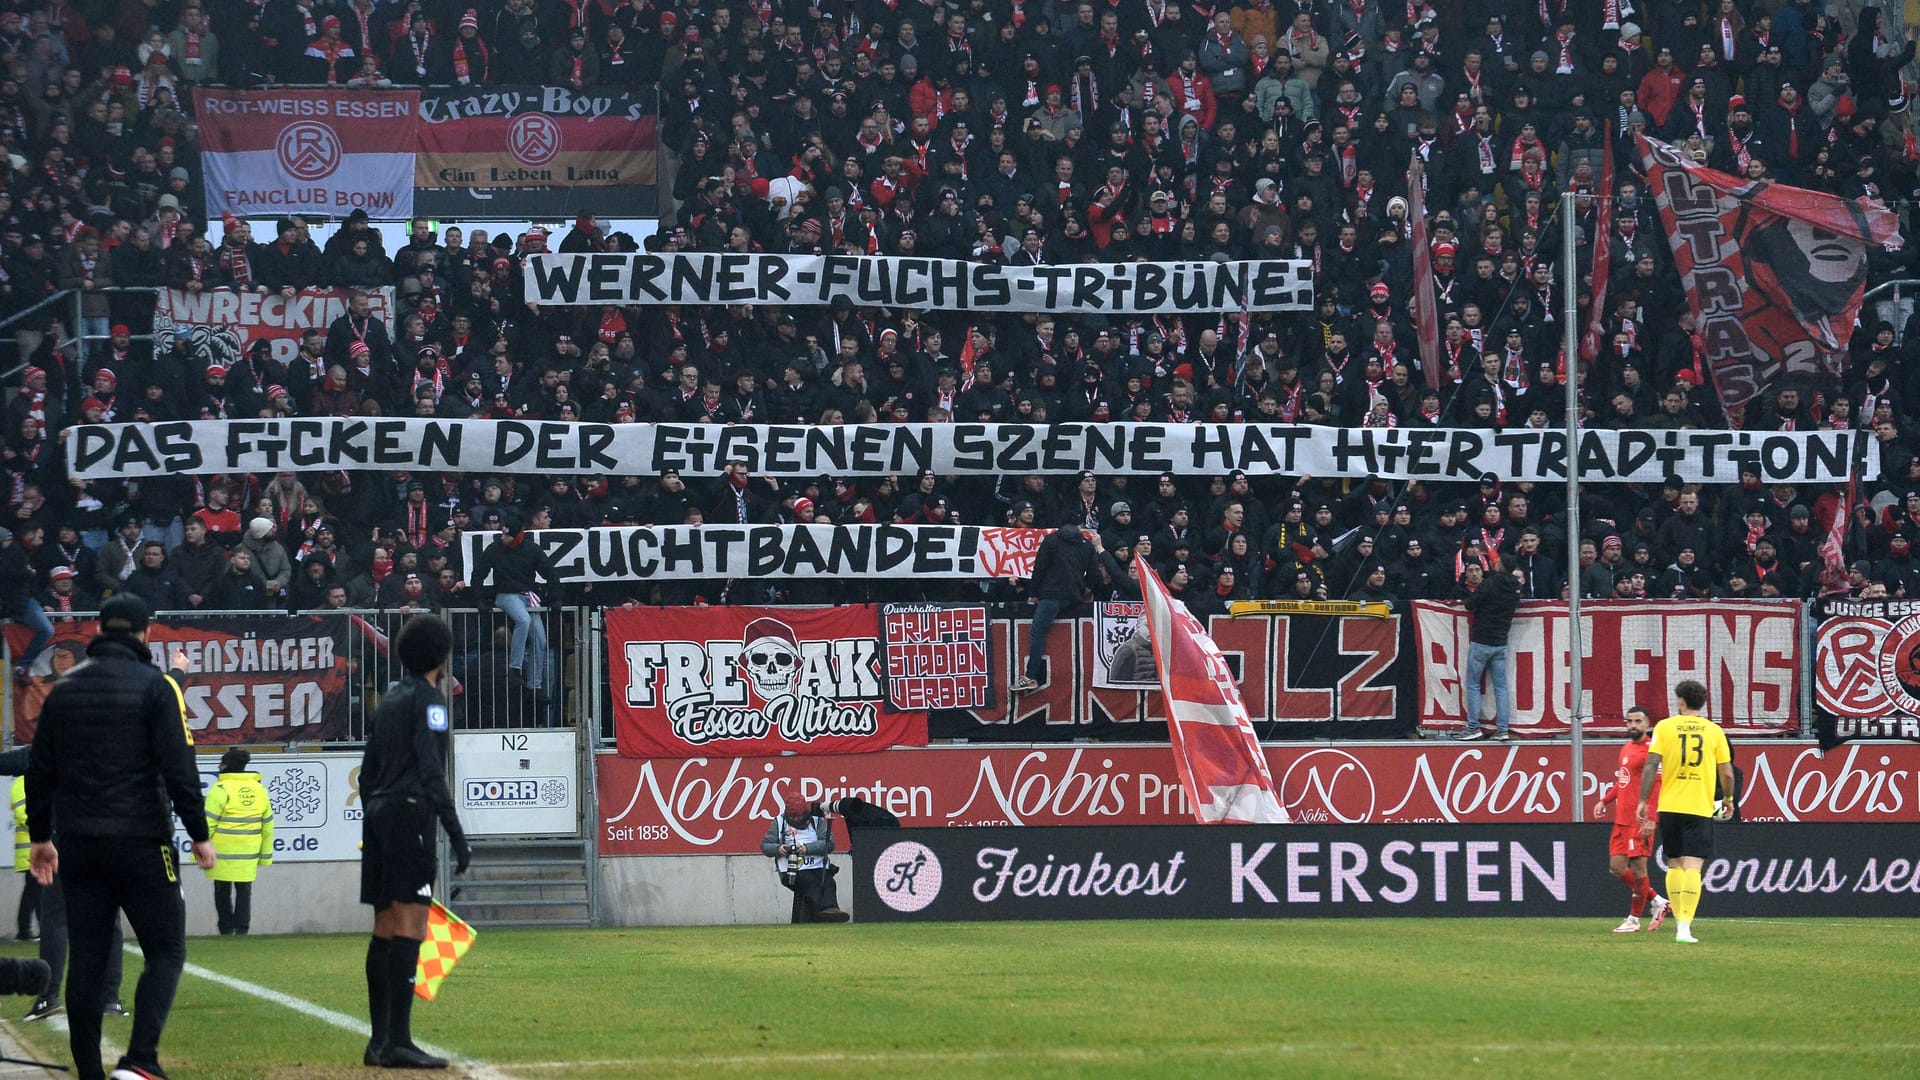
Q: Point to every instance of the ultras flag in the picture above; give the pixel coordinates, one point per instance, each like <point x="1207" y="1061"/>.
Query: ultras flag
<point x="1774" y="274"/>
<point x="1214" y="747"/>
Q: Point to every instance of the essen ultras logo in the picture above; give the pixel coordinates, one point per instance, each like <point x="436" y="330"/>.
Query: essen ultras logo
<point x="769" y="681"/>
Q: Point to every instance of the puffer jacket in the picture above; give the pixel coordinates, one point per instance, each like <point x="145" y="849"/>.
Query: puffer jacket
<point x="112" y="756"/>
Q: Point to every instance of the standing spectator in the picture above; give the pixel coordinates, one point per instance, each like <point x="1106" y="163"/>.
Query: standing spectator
<point x="1064" y="566"/>
<point x="1490" y="611"/>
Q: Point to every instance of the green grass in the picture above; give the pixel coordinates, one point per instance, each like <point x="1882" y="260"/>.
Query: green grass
<point x="1312" y="998"/>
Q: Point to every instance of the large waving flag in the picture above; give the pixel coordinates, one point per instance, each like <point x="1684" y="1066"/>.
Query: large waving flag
<point x="1214" y="747"/>
<point x="1774" y="275"/>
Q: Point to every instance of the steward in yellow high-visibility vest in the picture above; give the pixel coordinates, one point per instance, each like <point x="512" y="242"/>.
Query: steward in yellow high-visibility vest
<point x="240" y="815"/>
<point x="22" y="843"/>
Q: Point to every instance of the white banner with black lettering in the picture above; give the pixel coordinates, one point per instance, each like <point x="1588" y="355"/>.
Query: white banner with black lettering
<point x="673" y="552"/>
<point x="97" y="451"/>
<point x="1171" y="288"/>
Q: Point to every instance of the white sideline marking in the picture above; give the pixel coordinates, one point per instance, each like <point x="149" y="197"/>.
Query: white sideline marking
<point x="477" y="1069"/>
<point x="1095" y="1054"/>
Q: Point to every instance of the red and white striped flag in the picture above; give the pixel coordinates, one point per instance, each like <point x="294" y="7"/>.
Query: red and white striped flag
<point x="1214" y="747"/>
<point x="1833" y="550"/>
<point x="1602" y="255"/>
<point x="1425" y="298"/>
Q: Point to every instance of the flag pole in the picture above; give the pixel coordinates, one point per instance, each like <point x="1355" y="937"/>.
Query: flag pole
<point x="1570" y="339"/>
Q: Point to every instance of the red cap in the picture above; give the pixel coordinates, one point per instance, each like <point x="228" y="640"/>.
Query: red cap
<point x="118" y="329"/>
<point x="803" y="509"/>
<point x="331" y="22"/>
<point x="760" y="187"/>
<point x="216" y="369"/>
<point x="797" y="804"/>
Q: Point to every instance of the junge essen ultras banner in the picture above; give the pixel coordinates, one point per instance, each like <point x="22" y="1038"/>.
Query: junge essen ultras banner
<point x="399" y="444"/>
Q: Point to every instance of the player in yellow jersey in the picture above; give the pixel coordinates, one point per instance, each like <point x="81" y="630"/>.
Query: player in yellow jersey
<point x="1689" y="756"/>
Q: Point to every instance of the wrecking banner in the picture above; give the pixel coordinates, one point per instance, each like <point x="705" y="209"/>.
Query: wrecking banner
<point x="1747" y="652"/>
<point x="221" y="326"/>
<point x="250" y="679"/>
<point x="1866" y="681"/>
<point x="1172" y="288"/>
<point x="677" y="552"/>
<point x="744" y="681"/>
<point x="405" y="444"/>
<point x="1774" y="274"/>
<point x="720" y="805"/>
<point x="329" y="151"/>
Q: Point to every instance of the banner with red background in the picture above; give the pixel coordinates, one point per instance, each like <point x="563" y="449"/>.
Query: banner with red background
<point x="250" y="679"/>
<point x="721" y="806"/>
<point x="742" y="681"/>
<point x="1774" y="274"/>
<point x="1747" y="652"/>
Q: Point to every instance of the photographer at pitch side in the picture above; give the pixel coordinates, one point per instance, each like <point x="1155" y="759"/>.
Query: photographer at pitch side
<point x="799" y="842"/>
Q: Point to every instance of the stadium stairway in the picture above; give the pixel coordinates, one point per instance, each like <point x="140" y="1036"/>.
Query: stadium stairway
<point x="525" y="883"/>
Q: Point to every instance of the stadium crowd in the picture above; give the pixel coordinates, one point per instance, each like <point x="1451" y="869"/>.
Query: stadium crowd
<point x="1024" y="131"/>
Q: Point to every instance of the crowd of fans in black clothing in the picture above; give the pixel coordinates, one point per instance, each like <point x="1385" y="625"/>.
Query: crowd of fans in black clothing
<point x="1023" y="131"/>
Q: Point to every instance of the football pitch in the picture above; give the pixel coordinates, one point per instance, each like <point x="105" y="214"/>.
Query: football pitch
<point x="1308" y="998"/>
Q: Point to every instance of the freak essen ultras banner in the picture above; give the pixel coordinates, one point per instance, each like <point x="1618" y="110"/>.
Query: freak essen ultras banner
<point x="1747" y="652"/>
<point x="1774" y="274"/>
<point x="742" y="681"/>
<point x="249" y="679"/>
<point x="100" y="451"/>
<point x="678" y="552"/>
<point x="927" y="284"/>
<point x="222" y="325"/>
<point x="329" y="151"/>
<point x="1866" y="679"/>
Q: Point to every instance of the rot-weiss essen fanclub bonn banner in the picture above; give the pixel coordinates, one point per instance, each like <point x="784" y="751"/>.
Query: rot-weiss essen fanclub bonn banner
<point x="282" y="151"/>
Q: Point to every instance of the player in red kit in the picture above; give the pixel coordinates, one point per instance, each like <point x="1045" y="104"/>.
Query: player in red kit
<point x="1632" y="842"/>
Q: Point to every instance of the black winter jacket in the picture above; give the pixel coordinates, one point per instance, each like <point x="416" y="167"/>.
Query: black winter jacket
<point x="1491" y="607"/>
<point x="112" y="757"/>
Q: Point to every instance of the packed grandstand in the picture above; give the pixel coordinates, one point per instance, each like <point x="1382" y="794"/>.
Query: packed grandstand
<point x="1025" y="133"/>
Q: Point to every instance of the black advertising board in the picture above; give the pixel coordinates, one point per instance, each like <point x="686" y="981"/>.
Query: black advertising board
<point x="1199" y="872"/>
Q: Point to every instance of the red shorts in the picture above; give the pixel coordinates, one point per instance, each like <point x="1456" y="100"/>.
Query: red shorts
<point x="1626" y="840"/>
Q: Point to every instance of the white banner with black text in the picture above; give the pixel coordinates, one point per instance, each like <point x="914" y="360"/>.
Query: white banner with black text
<point x="1169" y="288"/>
<point x="405" y="444"/>
<point x="678" y="552"/>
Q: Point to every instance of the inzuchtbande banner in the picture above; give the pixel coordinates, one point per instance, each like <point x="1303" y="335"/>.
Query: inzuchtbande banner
<point x="674" y="552"/>
<point x="1172" y="288"/>
<point x="404" y="444"/>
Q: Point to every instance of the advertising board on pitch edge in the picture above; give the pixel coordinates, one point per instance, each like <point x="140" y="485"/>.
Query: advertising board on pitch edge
<point x="1764" y="870"/>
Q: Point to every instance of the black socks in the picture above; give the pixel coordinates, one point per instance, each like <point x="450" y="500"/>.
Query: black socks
<point x="403" y="960"/>
<point x="377" y="951"/>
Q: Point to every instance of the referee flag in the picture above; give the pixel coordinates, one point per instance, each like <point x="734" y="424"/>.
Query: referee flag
<point x="448" y="939"/>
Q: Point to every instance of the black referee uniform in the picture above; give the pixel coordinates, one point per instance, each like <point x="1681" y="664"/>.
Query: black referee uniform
<point x="112" y="763"/>
<point x="404" y="785"/>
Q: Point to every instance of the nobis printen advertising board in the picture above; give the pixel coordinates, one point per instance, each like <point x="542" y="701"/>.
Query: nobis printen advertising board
<point x="1187" y="872"/>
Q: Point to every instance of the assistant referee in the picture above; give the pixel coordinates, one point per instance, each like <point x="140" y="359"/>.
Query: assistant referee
<point x="404" y="784"/>
<point x="112" y="763"/>
<point x="1689" y="756"/>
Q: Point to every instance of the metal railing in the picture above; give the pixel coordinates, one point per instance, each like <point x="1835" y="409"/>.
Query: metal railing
<point x="1893" y="301"/>
<point x="487" y="691"/>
